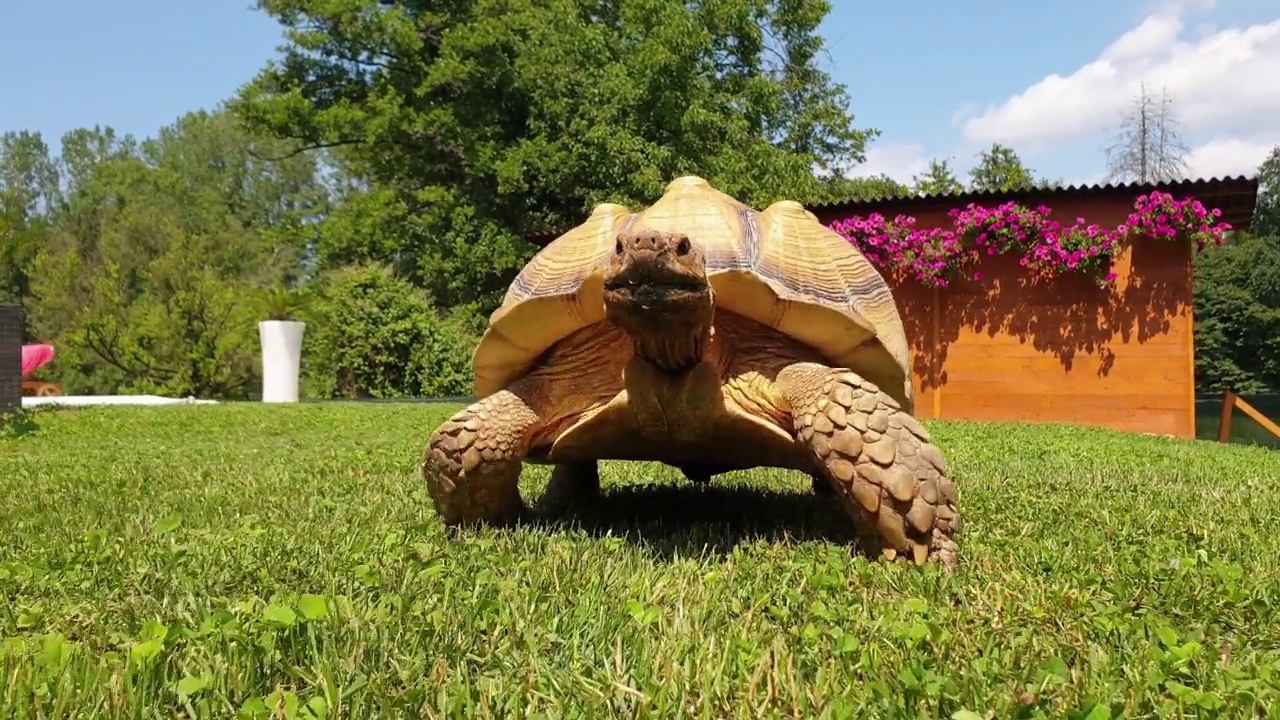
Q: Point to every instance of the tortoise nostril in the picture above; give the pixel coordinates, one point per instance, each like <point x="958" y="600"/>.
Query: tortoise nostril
<point x="682" y="247"/>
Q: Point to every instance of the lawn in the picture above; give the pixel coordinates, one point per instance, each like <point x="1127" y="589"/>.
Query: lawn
<point x="232" y="560"/>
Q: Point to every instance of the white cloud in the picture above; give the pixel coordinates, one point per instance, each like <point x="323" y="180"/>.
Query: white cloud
<point x="1228" y="157"/>
<point x="900" y="161"/>
<point x="1225" y="84"/>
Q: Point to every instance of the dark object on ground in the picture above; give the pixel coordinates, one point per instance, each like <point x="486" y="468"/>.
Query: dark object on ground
<point x="10" y="357"/>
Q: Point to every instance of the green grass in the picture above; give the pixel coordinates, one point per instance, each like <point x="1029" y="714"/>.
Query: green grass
<point x="226" y="561"/>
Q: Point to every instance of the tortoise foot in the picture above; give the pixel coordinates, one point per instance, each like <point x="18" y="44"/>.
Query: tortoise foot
<point x="879" y="461"/>
<point x="473" y="461"/>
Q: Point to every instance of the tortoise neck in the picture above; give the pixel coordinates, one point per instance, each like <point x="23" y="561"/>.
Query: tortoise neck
<point x="672" y="352"/>
<point x="670" y="336"/>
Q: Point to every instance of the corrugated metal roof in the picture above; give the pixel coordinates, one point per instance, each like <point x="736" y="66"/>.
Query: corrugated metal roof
<point x="1235" y="196"/>
<point x="1203" y="188"/>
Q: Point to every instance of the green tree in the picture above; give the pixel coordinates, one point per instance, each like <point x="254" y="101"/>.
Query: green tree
<point x="28" y="194"/>
<point x="475" y="121"/>
<point x="875" y="187"/>
<point x="1237" y="300"/>
<point x="1237" y="316"/>
<point x="147" y="279"/>
<point x="1266" y="216"/>
<point x="220" y="166"/>
<point x="1000" y="169"/>
<point x="939" y="179"/>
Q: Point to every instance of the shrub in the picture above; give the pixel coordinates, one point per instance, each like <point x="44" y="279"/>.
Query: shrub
<point x="371" y="333"/>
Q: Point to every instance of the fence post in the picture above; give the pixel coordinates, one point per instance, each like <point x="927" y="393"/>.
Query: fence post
<point x="1224" y="422"/>
<point x="1229" y="403"/>
<point x="10" y="357"/>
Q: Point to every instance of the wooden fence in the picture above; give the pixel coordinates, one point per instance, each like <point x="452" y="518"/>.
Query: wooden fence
<point x="1230" y="402"/>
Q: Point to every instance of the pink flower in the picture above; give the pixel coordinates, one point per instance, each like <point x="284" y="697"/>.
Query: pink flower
<point x="1044" y="244"/>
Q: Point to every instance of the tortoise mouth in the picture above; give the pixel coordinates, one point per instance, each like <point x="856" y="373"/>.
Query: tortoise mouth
<point x="654" y="292"/>
<point x="648" y="296"/>
<point x="639" y="280"/>
<point x="663" y="285"/>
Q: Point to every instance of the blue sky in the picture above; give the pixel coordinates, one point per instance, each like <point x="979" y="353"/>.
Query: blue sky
<point x="941" y="82"/>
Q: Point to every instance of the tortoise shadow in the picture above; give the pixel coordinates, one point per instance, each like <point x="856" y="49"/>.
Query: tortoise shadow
<point x="673" y="521"/>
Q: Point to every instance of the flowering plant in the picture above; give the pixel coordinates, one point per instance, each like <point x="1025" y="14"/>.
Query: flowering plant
<point x="1047" y="247"/>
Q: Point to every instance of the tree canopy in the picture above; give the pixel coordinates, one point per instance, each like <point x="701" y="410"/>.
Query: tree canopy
<point x="476" y="121"/>
<point x="377" y="178"/>
<point x="1237" y="288"/>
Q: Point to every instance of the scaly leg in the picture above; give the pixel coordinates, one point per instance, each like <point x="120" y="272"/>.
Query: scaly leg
<point x="570" y="483"/>
<point x="878" y="459"/>
<point x="473" y="460"/>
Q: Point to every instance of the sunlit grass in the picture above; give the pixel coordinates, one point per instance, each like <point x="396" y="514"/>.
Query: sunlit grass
<point x="245" y="559"/>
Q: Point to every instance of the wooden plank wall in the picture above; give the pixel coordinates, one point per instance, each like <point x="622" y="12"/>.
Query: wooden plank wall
<point x="1062" y="350"/>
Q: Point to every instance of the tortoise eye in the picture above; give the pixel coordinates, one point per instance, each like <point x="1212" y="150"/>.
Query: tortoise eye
<point x="682" y="247"/>
<point x="617" y="247"/>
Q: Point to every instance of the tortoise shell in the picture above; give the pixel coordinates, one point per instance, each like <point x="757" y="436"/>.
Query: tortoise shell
<point x="781" y="267"/>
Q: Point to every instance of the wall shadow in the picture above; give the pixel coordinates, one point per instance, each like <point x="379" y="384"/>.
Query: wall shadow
<point x="683" y="520"/>
<point x="1062" y="316"/>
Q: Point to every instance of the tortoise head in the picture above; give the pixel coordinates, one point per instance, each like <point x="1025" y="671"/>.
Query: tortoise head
<point x="656" y="289"/>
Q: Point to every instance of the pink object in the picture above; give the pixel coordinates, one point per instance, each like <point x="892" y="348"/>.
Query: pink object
<point x="33" y="356"/>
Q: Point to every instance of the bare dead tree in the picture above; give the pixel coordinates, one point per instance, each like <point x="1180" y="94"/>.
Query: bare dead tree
<point x="1148" y="146"/>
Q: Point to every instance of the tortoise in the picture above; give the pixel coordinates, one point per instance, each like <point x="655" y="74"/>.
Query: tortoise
<point x="712" y="337"/>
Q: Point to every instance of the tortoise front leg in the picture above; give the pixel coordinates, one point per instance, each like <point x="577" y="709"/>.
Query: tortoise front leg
<point x="571" y="482"/>
<point x="473" y="460"/>
<point x="877" y="458"/>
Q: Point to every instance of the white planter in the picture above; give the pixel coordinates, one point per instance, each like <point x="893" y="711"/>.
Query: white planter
<point x="281" y="359"/>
